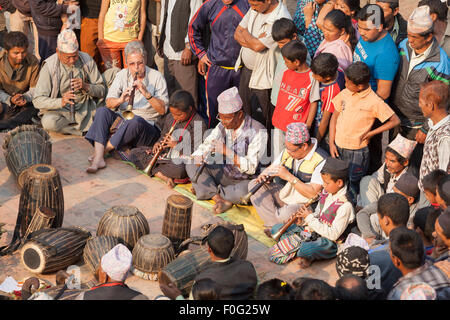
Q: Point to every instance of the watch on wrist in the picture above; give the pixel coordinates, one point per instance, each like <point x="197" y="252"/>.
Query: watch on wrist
<point x="294" y="181"/>
<point x="149" y="97"/>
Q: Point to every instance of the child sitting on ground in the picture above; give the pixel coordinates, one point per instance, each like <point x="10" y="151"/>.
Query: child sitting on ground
<point x="430" y="184"/>
<point x="316" y="240"/>
<point x="325" y="68"/>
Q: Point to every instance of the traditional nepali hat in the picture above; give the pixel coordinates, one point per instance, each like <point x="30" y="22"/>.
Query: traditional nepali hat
<point x="229" y="101"/>
<point x="388" y="1"/>
<point x="335" y="167"/>
<point x="67" y="41"/>
<point x="420" y="20"/>
<point x="353" y="260"/>
<point x="408" y="184"/>
<point x="403" y="146"/>
<point x="117" y="262"/>
<point x="297" y="133"/>
<point x="418" y="291"/>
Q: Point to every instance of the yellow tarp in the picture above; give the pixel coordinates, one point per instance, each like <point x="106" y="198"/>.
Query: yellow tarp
<point x="245" y="215"/>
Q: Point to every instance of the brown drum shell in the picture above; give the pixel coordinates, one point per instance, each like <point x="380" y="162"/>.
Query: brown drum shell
<point x="177" y="219"/>
<point x="96" y="248"/>
<point x="42" y="188"/>
<point x="25" y="146"/>
<point x="50" y="250"/>
<point x="126" y="223"/>
<point x="151" y="253"/>
<point x="183" y="270"/>
<point x="42" y="219"/>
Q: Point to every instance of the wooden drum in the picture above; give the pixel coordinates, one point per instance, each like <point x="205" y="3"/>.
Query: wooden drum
<point x="42" y="219"/>
<point x="177" y="219"/>
<point x="95" y="249"/>
<point x="25" y="146"/>
<point x="126" y="223"/>
<point x="42" y="188"/>
<point x="183" y="270"/>
<point x="151" y="253"/>
<point x="50" y="250"/>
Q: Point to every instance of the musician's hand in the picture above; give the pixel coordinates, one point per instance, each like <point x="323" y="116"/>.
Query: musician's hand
<point x="219" y="147"/>
<point x="125" y="95"/>
<point x="170" y="290"/>
<point x="155" y="148"/>
<point x="18" y="100"/>
<point x="171" y="143"/>
<point x="140" y="86"/>
<point x="67" y="98"/>
<point x="78" y="84"/>
<point x="280" y="171"/>
<point x="303" y="212"/>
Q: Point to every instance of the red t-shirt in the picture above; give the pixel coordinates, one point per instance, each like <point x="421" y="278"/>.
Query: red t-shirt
<point x="293" y="99"/>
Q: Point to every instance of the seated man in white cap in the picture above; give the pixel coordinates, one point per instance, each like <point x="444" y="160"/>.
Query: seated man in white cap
<point x="112" y="273"/>
<point x="68" y="78"/>
<point x="238" y="142"/>
<point x="396" y="163"/>
<point x="297" y="181"/>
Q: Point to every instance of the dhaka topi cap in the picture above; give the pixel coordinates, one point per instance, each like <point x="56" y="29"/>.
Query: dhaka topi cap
<point x="408" y="184"/>
<point x="403" y="146"/>
<point x="67" y="41"/>
<point x="229" y="101"/>
<point x="388" y="1"/>
<point x="297" y="133"/>
<point x="117" y="262"/>
<point x="418" y="291"/>
<point x="420" y="20"/>
<point x="335" y="167"/>
<point x="353" y="260"/>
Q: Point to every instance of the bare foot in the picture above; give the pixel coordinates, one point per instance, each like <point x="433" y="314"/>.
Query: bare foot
<point x="369" y="240"/>
<point x="222" y="206"/>
<point x="167" y="180"/>
<point x="304" y="263"/>
<point x="268" y="233"/>
<point x="193" y="191"/>
<point x="91" y="158"/>
<point x="96" y="166"/>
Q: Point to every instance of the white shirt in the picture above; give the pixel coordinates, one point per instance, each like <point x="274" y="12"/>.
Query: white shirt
<point x="249" y="162"/>
<point x="444" y="143"/>
<point x="154" y="82"/>
<point x="379" y="175"/>
<point x="168" y="50"/>
<point x="316" y="177"/>
<point x="344" y="216"/>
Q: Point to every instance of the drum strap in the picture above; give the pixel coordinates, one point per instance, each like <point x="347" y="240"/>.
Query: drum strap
<point x="16" y="239"/>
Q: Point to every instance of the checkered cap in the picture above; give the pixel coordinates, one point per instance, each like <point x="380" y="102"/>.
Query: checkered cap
<point x="297" y="133"/>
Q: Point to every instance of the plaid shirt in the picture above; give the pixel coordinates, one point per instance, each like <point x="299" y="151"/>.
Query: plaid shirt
<point x="427" y="273"/>
<point x="313" y="36"/>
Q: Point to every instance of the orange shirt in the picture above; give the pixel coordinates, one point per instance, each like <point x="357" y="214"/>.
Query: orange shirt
<point x="357" y="113"/>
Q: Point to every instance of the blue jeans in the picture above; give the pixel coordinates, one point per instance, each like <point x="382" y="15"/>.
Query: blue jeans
<point x="358" y="165"/>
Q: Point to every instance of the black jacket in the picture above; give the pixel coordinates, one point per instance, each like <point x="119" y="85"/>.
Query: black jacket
<point x="112" y="291"/>
<point x="23" y="6"/>
<point x="6" y="5"/>
<point x="47" y="16"/>
<point x="236" y="278"/>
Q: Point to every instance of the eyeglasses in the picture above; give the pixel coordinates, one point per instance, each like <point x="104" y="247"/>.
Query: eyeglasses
<point x="224" y="121"/>
<point x="295" y="150"/>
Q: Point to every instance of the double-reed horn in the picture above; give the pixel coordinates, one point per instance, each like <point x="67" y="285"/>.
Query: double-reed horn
<point x="128" y="113"/>
<point x="72" y="121"/>
<point x="161" y="147"/>
<point x="246" y="199"/>
<point x="291" y="220"/>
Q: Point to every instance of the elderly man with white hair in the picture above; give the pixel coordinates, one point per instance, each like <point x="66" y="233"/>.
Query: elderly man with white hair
<point x="112" y="273"/>
<point x="110" y="131"/>
<point x="69" y="77"/>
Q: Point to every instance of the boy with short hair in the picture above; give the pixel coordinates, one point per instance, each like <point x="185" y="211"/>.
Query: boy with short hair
<point x="443" y="193"/>
<point x="316" y="240"/>
<point x="326" y="71"/>
<point x="356" y="109"/>
<point x="299" y="91"/>
<point x="430" y="184"/>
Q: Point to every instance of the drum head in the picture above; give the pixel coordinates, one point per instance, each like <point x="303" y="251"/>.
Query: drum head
<point x="179" y="201"/>
<point x="32" y="257"/>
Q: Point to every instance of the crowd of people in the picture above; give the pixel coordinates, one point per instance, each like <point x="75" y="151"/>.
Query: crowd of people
<point x="332" y="104"/>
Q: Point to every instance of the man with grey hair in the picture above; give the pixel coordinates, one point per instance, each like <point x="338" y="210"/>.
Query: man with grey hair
<point x="146" y="91"/>
<point x="68" y="78"/>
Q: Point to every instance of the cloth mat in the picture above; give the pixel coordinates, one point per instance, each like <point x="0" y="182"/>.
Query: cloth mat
<point x="239" y="214"/>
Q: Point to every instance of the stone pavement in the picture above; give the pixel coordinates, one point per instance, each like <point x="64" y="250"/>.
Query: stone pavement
<point x="87" y="197"/>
